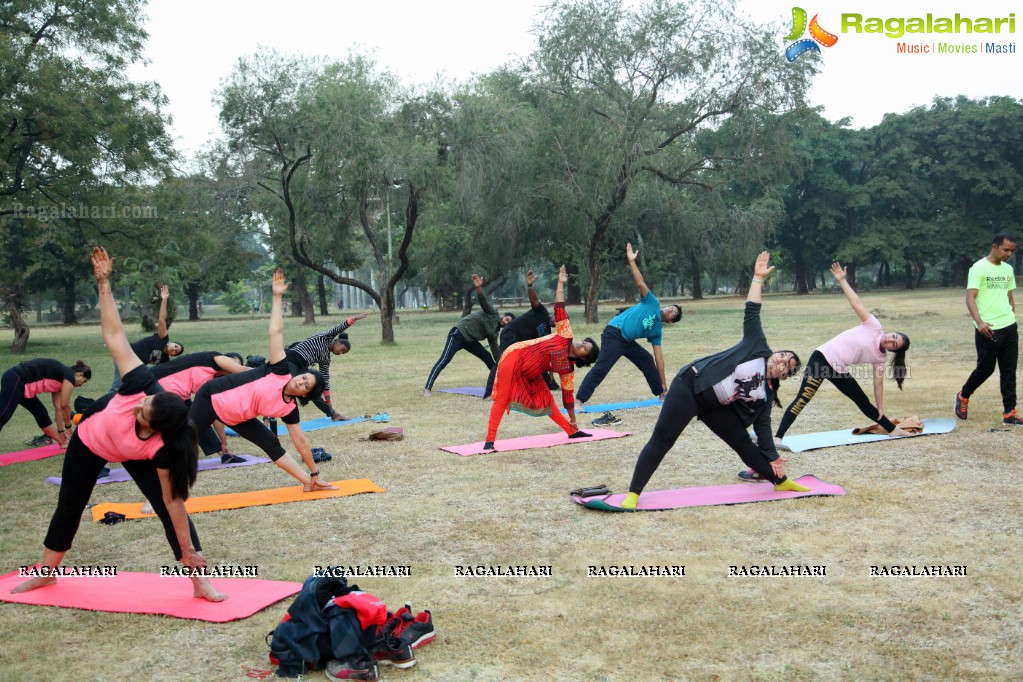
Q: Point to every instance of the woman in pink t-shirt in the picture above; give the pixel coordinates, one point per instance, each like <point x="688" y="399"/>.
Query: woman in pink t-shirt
<point x="274" y="390"/>
<point x="21" y="384"/>
<point x="866" y="344"/>
<point x="142" y="426"/>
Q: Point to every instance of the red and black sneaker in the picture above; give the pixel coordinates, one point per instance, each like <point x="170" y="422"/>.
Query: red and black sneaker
<point x="1012" y="418"/>
<point x="394" y="651"/>
<point x="419" y="631"/>
<point x="961" y="406"/>
<point x="355" y="668"/>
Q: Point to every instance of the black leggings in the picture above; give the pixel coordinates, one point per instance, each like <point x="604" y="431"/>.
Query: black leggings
<point x="12" y="394"/>
<point x="680" y="406"/>
<point x="202" y="413"/>
<point x="78" y="478"/>
<point x="817" y="370"/>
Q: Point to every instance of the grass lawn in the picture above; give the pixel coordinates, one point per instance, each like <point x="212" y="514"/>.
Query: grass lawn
<point x="942" y="500"/>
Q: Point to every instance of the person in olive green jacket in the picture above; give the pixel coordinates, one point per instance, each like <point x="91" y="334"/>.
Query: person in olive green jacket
<point x="468" y="332"/>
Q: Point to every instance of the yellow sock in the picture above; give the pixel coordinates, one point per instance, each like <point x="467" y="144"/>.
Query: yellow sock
<point x="788" y="485"/>
<point x="630" y="501"/>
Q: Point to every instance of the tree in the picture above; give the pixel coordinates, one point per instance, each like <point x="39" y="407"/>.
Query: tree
<point x="58" y="148"/>
<point x="626" y="85"/>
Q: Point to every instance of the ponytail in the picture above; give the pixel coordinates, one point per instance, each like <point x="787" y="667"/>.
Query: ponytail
<point x="899" y="370"/>
<point x="180" y="441"/>
<point x="83" y="368"/>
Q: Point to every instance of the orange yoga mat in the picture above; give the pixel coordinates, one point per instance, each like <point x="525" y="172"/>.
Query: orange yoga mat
<point x="253" y="498"/>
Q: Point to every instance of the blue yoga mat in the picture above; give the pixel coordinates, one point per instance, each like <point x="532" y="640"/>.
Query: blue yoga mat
<point x="311" y="425"/>
<point x="831" y="439"/>
<point x="611" y="407"/>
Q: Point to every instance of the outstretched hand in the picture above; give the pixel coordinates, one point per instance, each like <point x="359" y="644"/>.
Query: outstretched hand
<point x="562" y="275"/>
<point x="102" y="264"/>
<point x="761" y="269"/>
<point x="530" y="278"/>
<point x="629" y="253"/>
<point x="477" y="281"/>
<point x="837" y="271"/>
<point x="164" y="292"/>
<point x="279" y="285"/>
<point x="360" y="316"/>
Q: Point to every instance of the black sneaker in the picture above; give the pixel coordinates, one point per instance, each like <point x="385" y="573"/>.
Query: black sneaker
<point x="394" y="651"/>
<point x="1012" y="418"/>
<point x="488" y="446"/>
<point x="355" y="668"/>
<point x="750" y="476"/>
<point x="961" y="406"/>
<point x="231" y="459"/>
<point x="419" y="631"/>
<point x="103" y="473"/>
<point x="580" y="434"/>
<point x="40" y="440"/>
<point x="607" y="419"/>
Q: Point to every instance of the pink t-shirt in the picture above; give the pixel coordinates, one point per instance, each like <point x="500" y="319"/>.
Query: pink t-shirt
<point x="263" y="397"/>
<point x="857" y="346"/>
<point x="43" y="386"/>
<point x="187" y="381"/>
<point x="110" y="433"/>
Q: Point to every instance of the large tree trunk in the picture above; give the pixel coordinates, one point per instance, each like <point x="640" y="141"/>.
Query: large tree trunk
<point x="694" y="266"/>
<point x="801" y="286"/>
<point x="192" y="292"/>
<point x="21" y="329"/>
<point x="302" y="301"/>
<point x="850" y="274"/>
<point x="68" y="295"/>
<point x="321" y="293"/>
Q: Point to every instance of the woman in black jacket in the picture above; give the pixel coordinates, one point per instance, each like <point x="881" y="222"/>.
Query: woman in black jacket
<point x="727" y="392"/>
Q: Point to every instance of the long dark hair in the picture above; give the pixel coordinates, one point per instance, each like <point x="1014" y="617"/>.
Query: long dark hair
<point x="775" y="384"/>
<point x="343" y="340"/>
<point x="899" y="370"/>
<point x="80" y="366"/>
<point x="180" y="440"/>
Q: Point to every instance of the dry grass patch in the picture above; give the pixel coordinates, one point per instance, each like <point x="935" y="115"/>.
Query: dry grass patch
<point x="949" y="499"/>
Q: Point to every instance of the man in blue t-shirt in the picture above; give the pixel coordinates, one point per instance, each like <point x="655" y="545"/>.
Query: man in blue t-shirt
<point x="641" y="321"/>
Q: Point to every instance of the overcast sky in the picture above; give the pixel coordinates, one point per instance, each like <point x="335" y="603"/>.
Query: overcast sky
<point x="193" y="45"/>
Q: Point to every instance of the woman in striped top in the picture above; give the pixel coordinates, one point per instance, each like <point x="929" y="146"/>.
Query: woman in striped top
<point x="520" y="385"/>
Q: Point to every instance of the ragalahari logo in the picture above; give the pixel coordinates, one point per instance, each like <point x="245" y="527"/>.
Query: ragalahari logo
<point x="817" y="35"/>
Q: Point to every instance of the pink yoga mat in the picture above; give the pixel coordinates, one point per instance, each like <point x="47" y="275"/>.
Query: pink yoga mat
<point x="531" y="442"/>
<point x="120" y="475"/>
<point x="737" y="493"/>
<point x="150" y="593"/>
<point x="30" y="454"/>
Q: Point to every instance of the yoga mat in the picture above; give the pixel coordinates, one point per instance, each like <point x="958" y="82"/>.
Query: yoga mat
<point x="311" y="425"/>
<point x="830" y="439"/>
<point x="737" y="493"/>
<point x="120" y="475"/>
<point x="531" y="442"/>
<point x="252" y="498"/>
<point x="30" y="454"/>
<point x="129" y="592"/>
<point x="476" y="391"/>
<point x="611" y="407"/>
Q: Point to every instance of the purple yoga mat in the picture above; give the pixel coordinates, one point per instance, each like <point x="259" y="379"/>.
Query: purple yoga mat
<point x="120" y="475"/>
<point x="476" y="391"/>
<point x="530" y="442"/>
<point x="736" y="493"/>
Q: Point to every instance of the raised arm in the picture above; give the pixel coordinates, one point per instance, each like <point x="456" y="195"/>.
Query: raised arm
<point x="838" y="272"/>
<point x="485" y="304"/>
<point x="278" y="288"/>
<point x="637" y="276"/>
<point x="534" y="300"/>
<point x="761" y="270"/>
<point x="110" y="322"/>
<point x="161" y="322"/>
<point x="559" y="293"/>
